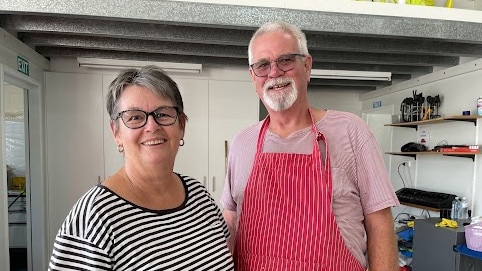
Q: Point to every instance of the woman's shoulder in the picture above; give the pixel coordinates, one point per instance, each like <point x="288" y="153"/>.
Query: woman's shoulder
<point x="92" y="197"/>
<point x="86" y="209"/>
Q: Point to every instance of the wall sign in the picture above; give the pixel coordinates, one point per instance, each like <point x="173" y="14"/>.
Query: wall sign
<point x="23" y="65"/>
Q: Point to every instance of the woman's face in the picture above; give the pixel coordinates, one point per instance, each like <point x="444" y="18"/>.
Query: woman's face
<point x="151" y="144"/>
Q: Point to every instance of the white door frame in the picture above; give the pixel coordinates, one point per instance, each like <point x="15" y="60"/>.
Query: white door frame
<point x="36" y="207"/>
<point x="387" y="110"/>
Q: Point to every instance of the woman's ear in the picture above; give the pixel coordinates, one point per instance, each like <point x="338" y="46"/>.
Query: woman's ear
<point x="183" y="128"/>
<point x="114" y="129"/>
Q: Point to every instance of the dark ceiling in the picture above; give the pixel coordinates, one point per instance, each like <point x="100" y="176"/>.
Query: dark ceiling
<point x="219" y="34"/>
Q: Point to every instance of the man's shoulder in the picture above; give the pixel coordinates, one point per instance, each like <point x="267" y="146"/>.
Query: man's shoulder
<point x="249" y="132"/>
<point x="339" y="117"/>
<point x="337" y="113"/>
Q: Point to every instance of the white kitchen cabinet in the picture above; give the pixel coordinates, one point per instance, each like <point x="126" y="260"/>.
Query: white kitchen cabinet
<point x="217" y="110"/>
<point x="74" y="138"/>
<point x="192" y="158"/>
<point x="233" y="106"/>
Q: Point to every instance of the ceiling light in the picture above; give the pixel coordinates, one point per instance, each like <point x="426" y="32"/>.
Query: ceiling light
<point x="351" y="75"/>
<point x="98" y="63"/>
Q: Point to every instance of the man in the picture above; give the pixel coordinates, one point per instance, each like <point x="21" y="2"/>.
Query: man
<point x="306" y="189"/>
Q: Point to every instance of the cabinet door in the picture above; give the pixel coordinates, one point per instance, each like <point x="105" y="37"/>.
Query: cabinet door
<point x="217" y="111"/>
<point x="192" y="158"/>
<point x="233" y="106"/>
<point x="74" y="137"/>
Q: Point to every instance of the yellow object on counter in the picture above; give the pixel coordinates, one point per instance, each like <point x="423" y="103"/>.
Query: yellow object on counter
<point x="18" y="183"/>
<point x="411" y="223"/>
<point x="447" y="223"/>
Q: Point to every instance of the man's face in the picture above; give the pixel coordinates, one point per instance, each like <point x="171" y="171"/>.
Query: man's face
<point x="280" y="89"/>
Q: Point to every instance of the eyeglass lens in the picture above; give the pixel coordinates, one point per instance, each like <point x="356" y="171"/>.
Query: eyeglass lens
<point x="164" y="116"/>
<point x="284" y="63"/>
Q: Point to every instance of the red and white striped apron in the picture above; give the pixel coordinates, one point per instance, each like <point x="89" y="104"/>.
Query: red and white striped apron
<point x="286" y="220"/>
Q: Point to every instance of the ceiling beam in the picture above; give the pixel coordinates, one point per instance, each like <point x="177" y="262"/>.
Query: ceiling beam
<point x="250" y="17"/>
<point x="240" y="37"/>
<point x="149" y="46"/>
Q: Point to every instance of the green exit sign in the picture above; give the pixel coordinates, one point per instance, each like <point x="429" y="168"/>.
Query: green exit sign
<point x="23" y="65"/>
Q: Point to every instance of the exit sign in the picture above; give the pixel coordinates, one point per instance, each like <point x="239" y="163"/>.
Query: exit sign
<point x="23" y="65"/>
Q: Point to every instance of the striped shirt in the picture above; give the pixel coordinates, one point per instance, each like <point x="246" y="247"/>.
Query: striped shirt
<point x="360" y="180"/>
<point x="105" y="232"/>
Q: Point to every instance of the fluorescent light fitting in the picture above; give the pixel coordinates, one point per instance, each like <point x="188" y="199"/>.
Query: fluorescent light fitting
<point x="351" y="75"/>
<point x="99" y="63"/>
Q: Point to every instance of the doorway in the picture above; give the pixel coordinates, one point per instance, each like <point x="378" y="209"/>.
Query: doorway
<point x="376" y="118"/>
<point x="22" y="211"/>
<point x="16" y="132"/>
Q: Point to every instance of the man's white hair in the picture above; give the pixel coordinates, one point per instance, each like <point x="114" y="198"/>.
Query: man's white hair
<point x="279" y="26"/>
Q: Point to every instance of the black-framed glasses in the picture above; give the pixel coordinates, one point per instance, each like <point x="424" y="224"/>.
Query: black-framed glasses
<point x="135" y="119"/>
<point x="284" y="63"/>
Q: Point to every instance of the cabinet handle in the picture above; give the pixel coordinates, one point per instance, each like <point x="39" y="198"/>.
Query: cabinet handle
<point x="205" y="181"/>
<point x="226" y="151"/>
<point x="98" y="179"/>
<point x="214" y="184"/>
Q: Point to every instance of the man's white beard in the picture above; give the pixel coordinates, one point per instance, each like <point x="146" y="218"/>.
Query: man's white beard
<point x="280" y="100"/>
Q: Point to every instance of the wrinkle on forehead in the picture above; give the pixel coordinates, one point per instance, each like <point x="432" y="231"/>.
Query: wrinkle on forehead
<point x="270" y="46"/>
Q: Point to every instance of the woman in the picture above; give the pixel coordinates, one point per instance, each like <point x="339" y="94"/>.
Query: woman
<point x="145" y="216"/>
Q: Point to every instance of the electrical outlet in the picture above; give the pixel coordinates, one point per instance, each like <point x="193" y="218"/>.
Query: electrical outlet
<point x="407" y="163"/>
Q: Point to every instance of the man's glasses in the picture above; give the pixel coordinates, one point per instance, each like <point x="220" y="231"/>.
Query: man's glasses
<point x="135" y="119"/>
<point x="284" y="63"/>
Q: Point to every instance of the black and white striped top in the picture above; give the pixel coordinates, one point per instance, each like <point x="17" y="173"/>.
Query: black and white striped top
<point x="105" y="232"/>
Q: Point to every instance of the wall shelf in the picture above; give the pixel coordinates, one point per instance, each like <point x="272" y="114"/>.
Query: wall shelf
<point x="456" y="154"/>
<point x="415" y="124"/>
<point x="420" y="206"/>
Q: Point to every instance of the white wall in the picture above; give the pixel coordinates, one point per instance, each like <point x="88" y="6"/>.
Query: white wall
<point x="336" y="100"/>
<point x="459" y="87"/>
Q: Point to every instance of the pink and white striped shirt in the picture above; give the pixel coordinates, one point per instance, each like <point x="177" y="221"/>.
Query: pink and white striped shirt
<point x="360" y="181"/>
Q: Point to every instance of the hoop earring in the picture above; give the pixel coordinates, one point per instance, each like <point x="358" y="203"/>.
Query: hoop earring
<point x="181" y="142"/>
<point x="120" y="148"/>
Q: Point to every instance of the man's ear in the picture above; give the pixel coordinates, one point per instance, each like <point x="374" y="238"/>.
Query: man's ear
<point x="251" y="73"/>
<point x="308" y="66"/>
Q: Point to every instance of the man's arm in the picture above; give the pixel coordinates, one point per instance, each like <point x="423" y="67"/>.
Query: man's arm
<point x="230" y="218"/>
<point x="381" y="241"/>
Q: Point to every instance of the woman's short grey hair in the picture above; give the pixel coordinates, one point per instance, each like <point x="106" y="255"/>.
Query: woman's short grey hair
<point x="279" y="26"/>
<point x="150" y="77"/>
